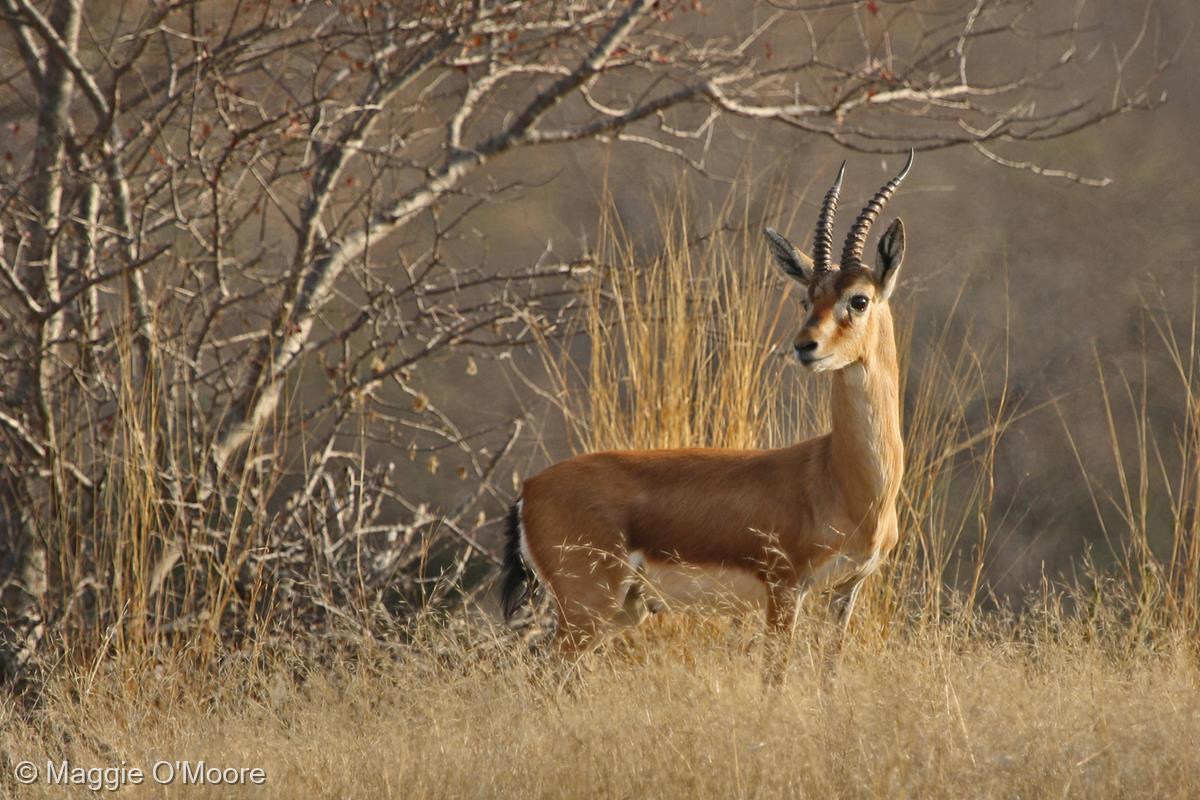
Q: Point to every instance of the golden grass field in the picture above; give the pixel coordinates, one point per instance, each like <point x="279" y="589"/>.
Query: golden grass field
<point x="677" y="710"/>
<point x="1090" y="689"/>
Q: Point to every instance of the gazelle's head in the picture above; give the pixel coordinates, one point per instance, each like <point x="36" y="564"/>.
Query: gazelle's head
<point x="846" y="304"/>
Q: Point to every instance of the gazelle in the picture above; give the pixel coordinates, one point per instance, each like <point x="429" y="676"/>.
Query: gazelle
<point x="614" y="535"/>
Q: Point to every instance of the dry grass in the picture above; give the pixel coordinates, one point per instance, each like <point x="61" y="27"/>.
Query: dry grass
<point x="1094" y="690"/>
<point x="677" y="711"/>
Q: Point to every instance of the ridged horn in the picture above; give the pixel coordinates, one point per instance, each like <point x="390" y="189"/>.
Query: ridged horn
<point x="823" y="238"/>
<point x="856" y="239"/>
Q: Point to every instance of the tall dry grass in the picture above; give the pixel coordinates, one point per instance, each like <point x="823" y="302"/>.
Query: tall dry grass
<point x="1009" y="711"/>
<point x="1149" y="512"/>
<point x="141" y="583"/>
<point x="1092" y="690"/>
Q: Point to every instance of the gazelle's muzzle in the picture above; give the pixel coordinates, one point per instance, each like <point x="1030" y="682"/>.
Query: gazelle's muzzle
<point x="806" y="351"/>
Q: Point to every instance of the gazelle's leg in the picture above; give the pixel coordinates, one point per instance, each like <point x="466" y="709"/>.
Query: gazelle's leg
<point x="575" y="635"/>
<point x="841" y="606"/>
<point x="783" y="601"/>
<point x="634" y="608"/>
<point x="588" y="599"/>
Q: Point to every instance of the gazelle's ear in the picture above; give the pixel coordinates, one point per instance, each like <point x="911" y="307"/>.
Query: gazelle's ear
<point x="891" y="255"/>
<point x="795" y="264"/>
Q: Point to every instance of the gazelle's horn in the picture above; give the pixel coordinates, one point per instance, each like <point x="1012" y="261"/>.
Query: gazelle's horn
<point x="856" y="239"/>
<point x="823" y="238"/>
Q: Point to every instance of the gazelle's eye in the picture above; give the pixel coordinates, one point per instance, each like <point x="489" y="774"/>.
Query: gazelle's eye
<point x="859" y="302"/>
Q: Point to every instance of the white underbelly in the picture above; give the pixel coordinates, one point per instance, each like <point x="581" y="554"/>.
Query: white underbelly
<point x="711" y="587"/>
<point x="841" y="568"/>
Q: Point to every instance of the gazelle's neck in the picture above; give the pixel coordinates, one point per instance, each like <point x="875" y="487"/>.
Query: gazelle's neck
<point x="867" y="452"/>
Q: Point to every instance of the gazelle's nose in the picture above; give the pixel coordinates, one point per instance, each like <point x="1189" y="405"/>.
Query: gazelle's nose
<point x="806" y="350"/>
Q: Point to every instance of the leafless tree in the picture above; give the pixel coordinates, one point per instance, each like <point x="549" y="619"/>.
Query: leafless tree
<point x="204" y="334"/>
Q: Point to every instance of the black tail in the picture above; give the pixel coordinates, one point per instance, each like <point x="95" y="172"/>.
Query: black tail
<point x="516" y="573"/>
